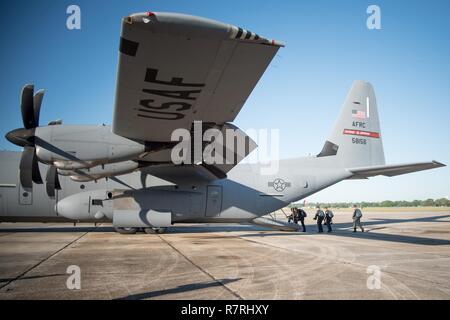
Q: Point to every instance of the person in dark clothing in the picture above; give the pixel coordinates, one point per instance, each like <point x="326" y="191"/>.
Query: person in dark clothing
<point x="328" y="218"/>
<point x="320" y="216"/>
<point x="357" y="215"/>
<point x="291" y="216"/>
<point x="301" y="217"/>
<point x="295" y="213"/>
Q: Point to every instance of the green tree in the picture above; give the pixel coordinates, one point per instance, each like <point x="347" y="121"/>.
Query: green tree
<point x="442" y="202"/>
<point x="428" y="203"/>
<point x="387" y="203"/>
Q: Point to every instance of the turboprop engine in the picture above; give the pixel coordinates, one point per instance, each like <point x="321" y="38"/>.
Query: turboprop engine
<point x="65" y="147"/>
<point x="77" y="147"/>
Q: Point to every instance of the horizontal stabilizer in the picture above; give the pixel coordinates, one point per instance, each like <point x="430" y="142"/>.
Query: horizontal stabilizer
<point x="393" y="170"/>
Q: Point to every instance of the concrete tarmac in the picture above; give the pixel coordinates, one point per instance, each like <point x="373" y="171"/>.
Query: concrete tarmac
<point x="411" y="250"/>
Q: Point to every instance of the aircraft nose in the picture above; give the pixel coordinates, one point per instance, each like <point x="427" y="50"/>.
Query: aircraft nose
<point x="20" y="137"/>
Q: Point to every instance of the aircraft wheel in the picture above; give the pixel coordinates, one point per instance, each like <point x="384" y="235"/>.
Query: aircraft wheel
<point x="126" y="230"/>
<point x="155" y="230"/>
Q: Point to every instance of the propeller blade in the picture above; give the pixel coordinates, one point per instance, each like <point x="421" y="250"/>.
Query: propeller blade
<point x="37" y="101"/>
<point x="52" y="181"/>
<point x="36" y="173"/>
<point x="26" y="168"/>
<point x="27" y="108"/>
<point x="57" y="184"/>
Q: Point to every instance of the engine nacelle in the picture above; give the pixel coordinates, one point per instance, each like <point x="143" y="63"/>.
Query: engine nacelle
<point x="76" y="147"/>
<point x="102" y="171"/>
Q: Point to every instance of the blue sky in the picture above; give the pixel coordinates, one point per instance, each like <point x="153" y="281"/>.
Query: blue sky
<point x="327" y="47"/>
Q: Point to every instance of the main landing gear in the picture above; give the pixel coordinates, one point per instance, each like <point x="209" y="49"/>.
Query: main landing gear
<point x="146" y="230"/>
<point x="155" y="230"/>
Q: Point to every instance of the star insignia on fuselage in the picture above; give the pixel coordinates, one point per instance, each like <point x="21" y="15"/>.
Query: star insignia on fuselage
<point x="279" y="184"/>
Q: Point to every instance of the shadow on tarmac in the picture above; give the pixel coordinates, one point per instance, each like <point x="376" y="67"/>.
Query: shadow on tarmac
<point x="179" y="289"/>
<point x="339" y="229"/>
<point x="31" y="277"/>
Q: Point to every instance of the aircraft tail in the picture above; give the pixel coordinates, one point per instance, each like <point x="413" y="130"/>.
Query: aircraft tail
<point x="356" y="136"/>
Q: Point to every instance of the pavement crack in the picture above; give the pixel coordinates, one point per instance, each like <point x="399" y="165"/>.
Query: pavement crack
<point x="45" y="259"/>
<point x="201" y="269"/>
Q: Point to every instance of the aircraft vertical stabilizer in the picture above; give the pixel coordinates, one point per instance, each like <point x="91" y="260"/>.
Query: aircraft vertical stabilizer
<point x="356" y="136"/>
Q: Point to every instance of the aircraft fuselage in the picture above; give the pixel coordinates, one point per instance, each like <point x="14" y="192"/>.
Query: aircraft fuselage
<point x="244" y="195"/>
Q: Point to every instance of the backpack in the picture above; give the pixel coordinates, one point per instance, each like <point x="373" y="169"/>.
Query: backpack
<point x="330" y="214"/>
<point x="358" y="213"/>
<point x="302" y="213"/>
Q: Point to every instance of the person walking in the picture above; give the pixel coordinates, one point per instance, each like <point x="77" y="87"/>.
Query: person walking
<point x="291" y="216"/>
<point x="301" y="217"/>
<point x="320" y="215"/>
<point x="328" y="218"/>
<point x="357" y="215"/>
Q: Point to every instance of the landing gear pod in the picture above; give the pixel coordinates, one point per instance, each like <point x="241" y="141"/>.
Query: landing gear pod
<point x="128" y="209"/>
<point x="142" y="218"/>
<point x="90" y="205"/>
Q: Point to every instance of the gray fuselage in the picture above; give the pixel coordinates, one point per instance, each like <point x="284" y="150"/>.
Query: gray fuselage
<point x="244" y="195"/>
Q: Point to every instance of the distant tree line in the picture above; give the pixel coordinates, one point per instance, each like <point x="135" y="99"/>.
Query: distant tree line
<point x="442" y="202"/>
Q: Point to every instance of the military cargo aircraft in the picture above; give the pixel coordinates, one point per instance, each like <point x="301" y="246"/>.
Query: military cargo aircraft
<point x="175" y="70"/>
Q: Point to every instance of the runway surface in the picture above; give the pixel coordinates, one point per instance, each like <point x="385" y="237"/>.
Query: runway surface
<point x="411" y="250"/>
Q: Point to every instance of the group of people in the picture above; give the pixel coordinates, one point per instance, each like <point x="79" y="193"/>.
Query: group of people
<point x="324" y="217"/>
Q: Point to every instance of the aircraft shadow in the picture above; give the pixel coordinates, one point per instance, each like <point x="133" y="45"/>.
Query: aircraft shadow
<point x="343" y="229"/>
<point x="176" y="229"/>
<point x="360" y="235"/>
<point x="56" y="229"/>
<point x="179" y="289"/>
<point x="377" y="221"/>
<point x="210" y="228"/>
<point x="3" y="280"/>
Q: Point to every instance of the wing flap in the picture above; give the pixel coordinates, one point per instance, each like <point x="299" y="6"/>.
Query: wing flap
<point x="180" y="174"/>
<point x="393" y="170"/>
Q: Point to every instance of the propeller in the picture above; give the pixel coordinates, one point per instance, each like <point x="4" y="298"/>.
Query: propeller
<point x="52" y="181"/>
<point x="30" y="107"/>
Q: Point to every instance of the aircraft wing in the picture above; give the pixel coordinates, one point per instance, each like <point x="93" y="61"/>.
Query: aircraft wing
<point x="393" y="170"/>
<point x="175" y="69"/>
<point x="180" y="174"/>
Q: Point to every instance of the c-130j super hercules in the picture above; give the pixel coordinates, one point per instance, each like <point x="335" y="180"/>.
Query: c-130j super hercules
<point x="174" y="70"/>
